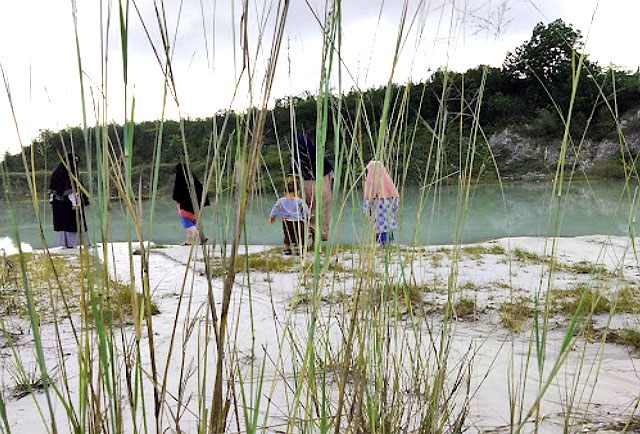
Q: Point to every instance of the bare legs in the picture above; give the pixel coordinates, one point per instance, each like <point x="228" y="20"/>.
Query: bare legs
<point x="192" y="233"/>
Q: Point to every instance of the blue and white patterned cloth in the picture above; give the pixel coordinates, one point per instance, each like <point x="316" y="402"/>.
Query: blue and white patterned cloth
<point x="382" y="213"/>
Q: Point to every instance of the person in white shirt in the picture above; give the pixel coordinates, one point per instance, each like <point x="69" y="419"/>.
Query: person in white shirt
<point x="294" y="213"/>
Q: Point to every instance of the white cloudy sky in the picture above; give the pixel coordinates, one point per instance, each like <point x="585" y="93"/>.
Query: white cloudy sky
<point x="38" y="51"/>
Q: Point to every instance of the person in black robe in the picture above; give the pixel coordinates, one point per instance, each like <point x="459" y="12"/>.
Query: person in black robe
<point x="67" y="203"/>
<point x="182" y="195"/>
<point x="303" y="164"/>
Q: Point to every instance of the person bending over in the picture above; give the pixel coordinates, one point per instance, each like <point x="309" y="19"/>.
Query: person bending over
<point x="294" y="213"/>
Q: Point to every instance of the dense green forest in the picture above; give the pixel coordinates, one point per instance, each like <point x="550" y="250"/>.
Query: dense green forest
<point x="527" y="98"/>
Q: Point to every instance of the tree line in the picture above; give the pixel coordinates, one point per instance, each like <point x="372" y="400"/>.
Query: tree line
<point x="530" y="93"/>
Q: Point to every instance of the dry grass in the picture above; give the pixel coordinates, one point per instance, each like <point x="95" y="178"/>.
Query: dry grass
<point x="476" y="252"/>
<point x="580" y="267"/>
<point x="515" y="313"/>
<point x="596" y="300"/>
<point x="305" y="298"/>
<point x="268" y="261"/>
<point x="465" y="308"/>
<point x="57" y="284"/>
<point x="625" y="336"/>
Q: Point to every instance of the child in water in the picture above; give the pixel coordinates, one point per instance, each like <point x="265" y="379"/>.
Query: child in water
<point x="294" y="212"/>
<point x="381" y="201"/>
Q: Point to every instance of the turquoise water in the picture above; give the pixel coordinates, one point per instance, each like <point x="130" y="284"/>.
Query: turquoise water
<point x="521" y="209"/>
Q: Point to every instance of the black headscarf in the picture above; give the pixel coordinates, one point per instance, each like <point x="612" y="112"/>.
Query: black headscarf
<point x="60" y="182"/>
<point x="181" y="189"/>
<point x="304" y="154"/>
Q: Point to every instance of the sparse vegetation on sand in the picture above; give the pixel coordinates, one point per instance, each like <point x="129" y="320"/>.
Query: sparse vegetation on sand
<point x="516" y="313"/>
<point x="60" y="286"/>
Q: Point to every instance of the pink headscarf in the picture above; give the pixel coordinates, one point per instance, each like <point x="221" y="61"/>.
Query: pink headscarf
<point x="378" y="183"/>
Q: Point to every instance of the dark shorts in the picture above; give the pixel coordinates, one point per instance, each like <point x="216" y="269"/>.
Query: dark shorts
<point x="293" y="232"/>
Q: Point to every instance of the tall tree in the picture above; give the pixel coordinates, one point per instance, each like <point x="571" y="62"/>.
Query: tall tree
<point x="547" y="55"/>
<point x="541" y="72"/>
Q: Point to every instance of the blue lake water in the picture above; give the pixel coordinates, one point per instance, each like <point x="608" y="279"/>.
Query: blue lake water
<point x="426" y="216"/>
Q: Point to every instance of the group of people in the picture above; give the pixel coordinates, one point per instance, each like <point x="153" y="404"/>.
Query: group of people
<point x="298" y="209"/>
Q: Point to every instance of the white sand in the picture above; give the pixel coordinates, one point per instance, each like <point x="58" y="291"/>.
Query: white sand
<point x="7" y="247"/>
<point x="605" y="377"/>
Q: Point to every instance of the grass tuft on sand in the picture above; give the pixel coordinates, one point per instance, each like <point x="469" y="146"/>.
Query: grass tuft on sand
<point x="57" y="283"/>
<point x="515" y="313"/>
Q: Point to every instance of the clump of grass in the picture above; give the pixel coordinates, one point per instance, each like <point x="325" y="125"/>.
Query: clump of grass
<point x="501" y="285"/>
<point x="153" y="246"/>
<point x="469" y="285"/>
<point x="526" y="256"/>
<point x="41" y="277"/>
<point x="581" y="267"/>
<point x="305" y="298"/>
<point x="625" y="336"/>
<point x="465" y="307"/>
<point x="584" y="267"/>
<point x="336" y="266"/>
<point x="120" y="306"/>
<point x="10" y="300"/>
<point x="443" y="250"/>
<point x="515" y="313"/>
<point x="271" y="261"/>
<point x="340" y="248"/>
<point x="476" y="252"/>
<point x="436" y="260"/>
<point x="43" y="283"/>
<point x="268" y="261"/>
<point x="627" y="300"/>
<point x="567" y="301"/>
<point x="627" y="425"/>
<point x="413" y="293"/>
<point x="25" y="382"/>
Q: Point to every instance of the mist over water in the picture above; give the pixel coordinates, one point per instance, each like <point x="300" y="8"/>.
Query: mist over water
<point x="519" y="209"/>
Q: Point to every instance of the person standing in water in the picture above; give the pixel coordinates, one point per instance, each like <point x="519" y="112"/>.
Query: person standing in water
<point x="67" y="203"/>
<point x="381" y="201"/>
<point x="303" y="164"/>
<point x="182" y="195"/>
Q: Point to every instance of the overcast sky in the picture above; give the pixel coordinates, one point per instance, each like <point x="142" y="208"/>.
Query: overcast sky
<point x="39" y="59"/>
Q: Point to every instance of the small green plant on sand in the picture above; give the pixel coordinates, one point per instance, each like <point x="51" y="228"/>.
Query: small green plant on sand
<point x="624" y="336"/>
<point x="402" y="293"/>
<point x="567" y="301"/>
<point x="515" y="313"/>
<point x="476" y="251"/>
<point x="119" y="305"/>
<point x="583" y="267"/>
<point x="267" y="261"/>
<point x="526" y="256"/>
<point x="468" y="285"/>
<point x="596" y="301"/>
<point x="305" y="298"/>
<point x="464" y="307"/>
<point x="25" y="381"/>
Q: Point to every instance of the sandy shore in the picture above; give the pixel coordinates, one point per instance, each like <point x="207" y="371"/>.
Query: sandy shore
<point x="270" y="311"/>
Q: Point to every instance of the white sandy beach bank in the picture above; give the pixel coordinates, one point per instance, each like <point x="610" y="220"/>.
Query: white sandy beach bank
<point x="270" y="320"/>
